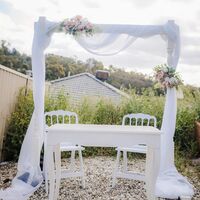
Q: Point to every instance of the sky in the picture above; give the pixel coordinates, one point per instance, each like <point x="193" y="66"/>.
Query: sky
<point x="17" y="18"/>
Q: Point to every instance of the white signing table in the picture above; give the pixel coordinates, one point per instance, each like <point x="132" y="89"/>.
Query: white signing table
<point x="105" y="136"/>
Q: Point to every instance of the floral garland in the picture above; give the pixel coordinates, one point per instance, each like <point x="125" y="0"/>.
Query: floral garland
<point x="167" y="76"/>
<point x="76" y="26"/>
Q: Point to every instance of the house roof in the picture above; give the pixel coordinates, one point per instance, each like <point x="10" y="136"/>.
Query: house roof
<point x="95" y="79"/>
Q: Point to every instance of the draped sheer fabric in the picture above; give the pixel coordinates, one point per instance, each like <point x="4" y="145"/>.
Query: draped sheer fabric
<point x="29" y="176"/>
<point x="102" y="44"/>
<point x="110" y="40"/>
<point x="108" y="44"/>
<point x="170" y="183"/>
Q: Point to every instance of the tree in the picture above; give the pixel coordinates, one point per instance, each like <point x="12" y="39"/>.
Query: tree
<point x="59" y="66"/>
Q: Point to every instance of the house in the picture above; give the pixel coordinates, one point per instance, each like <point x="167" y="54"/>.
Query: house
<point x="85" y="85"/>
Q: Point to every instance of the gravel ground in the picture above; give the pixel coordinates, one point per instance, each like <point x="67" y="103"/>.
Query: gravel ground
<point x="98" y="172"/>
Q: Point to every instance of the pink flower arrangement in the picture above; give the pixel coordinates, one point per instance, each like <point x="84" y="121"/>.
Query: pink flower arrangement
<point x="167" y="76"/>
<point x="76" y="26"/>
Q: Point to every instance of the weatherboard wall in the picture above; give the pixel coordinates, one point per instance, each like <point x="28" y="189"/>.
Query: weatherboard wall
<point x="80" y="87"/>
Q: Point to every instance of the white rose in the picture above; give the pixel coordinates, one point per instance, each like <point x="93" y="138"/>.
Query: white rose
<point x="173" y="80"/>
<point x="165" y="70"/>
<point x="167" y="79"/>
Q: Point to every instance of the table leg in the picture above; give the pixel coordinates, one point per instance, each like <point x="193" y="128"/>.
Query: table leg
<point x="152" y="169"/>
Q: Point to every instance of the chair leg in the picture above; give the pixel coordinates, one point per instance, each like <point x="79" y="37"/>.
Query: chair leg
<point x="82" y="167"/>
<point x="58" y="170"/>
<point x="125" y="162"/>
<point x="72" y="161"/>
<point x="45" y="174"/>
<point x="45" y="170"/>
<point x="116" y="169"/>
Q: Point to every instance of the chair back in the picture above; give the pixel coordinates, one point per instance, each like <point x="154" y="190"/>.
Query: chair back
<point x="139" y="119"/>
<point x="60" y="117"/>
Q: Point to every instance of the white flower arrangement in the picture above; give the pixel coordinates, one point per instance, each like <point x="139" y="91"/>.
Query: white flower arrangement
<point x="167" y="76"/>
<point x="76" y="26"/>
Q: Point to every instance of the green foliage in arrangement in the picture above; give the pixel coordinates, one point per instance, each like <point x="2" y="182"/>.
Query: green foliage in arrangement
<point x="104" y="112"/>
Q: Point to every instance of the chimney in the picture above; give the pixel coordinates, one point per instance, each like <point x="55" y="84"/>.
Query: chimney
<point x="102" y="75"/>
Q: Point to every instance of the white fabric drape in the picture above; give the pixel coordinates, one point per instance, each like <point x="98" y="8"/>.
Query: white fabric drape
<point x="170" y="33"/>
<point x="170" y="184"/>
<point x="112" y="39"/>
<point x="29" y="176"/>
<point x="108" y="44"/>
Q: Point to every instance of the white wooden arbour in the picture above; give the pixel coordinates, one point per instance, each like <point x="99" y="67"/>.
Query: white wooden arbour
<point x="30" y="152"/>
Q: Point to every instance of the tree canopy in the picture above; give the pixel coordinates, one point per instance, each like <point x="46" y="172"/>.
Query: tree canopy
<point x="59" y="66"/>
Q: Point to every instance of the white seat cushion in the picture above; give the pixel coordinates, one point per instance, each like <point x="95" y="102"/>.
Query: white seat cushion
<point x="68" y="147"/>
<point x="135" y="149"/>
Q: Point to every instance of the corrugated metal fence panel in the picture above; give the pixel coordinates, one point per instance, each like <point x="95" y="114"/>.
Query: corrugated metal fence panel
<point x="10" y="83"/>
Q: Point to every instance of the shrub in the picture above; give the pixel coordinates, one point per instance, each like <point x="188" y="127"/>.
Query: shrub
<point x="185" y="131"/>
<point x="85" y="112"/>
<point x="20" y="119"/>
<point x="145" y="104"/>
<point x="18" y="124"/>
<point x="104" y="112"/>
<point x="61" y="102"/>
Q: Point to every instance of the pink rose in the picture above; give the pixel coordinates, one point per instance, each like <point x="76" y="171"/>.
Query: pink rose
<point x="78" y="17"/>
